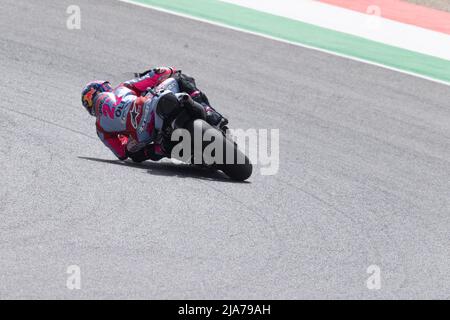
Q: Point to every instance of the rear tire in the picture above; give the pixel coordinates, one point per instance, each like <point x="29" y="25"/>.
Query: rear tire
<point x="239" y="169"/>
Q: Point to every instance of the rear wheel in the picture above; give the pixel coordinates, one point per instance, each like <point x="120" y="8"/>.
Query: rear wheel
<point x="228" y="159"/>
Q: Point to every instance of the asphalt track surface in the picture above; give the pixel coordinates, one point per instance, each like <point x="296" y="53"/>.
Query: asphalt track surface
<point x="435" y="4"/>
<point x="364" y="173"/>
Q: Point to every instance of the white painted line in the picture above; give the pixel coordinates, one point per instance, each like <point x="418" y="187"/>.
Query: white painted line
<point x="286" y="41"/>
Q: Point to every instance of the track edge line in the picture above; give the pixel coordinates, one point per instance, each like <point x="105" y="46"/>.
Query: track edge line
<point x="298" y="44"/>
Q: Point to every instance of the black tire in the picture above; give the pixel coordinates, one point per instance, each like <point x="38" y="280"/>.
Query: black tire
<point x="239" y="169"/>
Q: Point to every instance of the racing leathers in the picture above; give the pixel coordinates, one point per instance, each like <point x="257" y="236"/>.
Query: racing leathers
<point x="126" y="119"/>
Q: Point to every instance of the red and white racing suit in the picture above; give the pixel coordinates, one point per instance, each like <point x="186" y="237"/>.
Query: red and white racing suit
<point x="123" y="115"/>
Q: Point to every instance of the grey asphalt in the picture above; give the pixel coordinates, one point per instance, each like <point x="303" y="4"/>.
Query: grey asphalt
<point x="435" y="4"/>
<point x="364" y="174"/>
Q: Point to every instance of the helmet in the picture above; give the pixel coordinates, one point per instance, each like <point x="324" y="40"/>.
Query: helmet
<point x="90" y="91"/>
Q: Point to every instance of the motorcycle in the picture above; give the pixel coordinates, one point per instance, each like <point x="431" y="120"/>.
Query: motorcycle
<point x="202" y="144"/>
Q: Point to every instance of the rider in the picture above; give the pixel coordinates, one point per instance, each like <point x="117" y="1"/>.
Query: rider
<point x="126" y="119"/>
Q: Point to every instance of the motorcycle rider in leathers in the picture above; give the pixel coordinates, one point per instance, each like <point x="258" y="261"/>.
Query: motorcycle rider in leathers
<point x="127" y="122"/>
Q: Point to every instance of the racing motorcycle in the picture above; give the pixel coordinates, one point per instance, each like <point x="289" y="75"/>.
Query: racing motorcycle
<point x="186" y="135"/>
